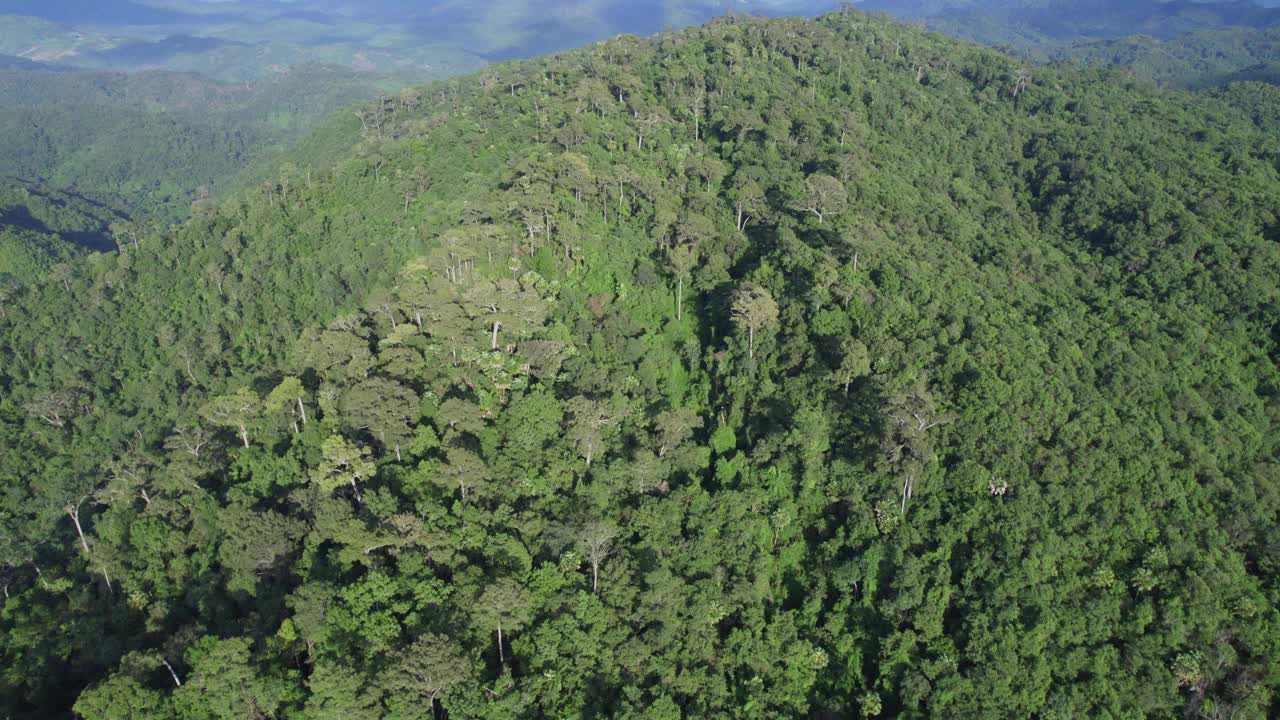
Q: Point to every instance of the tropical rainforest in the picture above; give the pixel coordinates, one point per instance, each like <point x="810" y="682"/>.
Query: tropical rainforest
<point x="768" y="368"/>
<point x="146" y="142"/>
<point x="144" y="108"/>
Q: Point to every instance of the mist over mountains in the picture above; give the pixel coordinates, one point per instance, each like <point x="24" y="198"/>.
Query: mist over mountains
<point x="1022" y="22"/>
<point x="126" y="34"/>
<point x="237" y="40"/>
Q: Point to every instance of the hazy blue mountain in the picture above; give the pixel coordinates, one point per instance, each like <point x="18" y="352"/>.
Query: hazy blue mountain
<point x="11" y="62"/>
<point x="114" y="12"/>
<point x="213" y="37"/>
<point x="1204" y="58"/>
<point x="1021" y="23"/>
<point x="1179" y="43"/>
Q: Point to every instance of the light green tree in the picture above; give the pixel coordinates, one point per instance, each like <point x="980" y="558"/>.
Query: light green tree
<point x="753" y="310"/>
<point x="237" y="410"/>
<point x="683" y="258"/>
<point x="344" y="463"/>
<point x="855" y="362"/>
<point x="503" y="604"/>
<point x="288" y="397"/>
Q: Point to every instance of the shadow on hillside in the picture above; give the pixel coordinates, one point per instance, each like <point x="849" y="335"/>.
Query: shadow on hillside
<point x="21" y="218"/>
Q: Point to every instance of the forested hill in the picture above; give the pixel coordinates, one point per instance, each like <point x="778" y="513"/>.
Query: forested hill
<point x="146" y="146"/>
<point x="1207" y="58"/>
<point x="150" y="143"/>
<point x="764" y="369"/>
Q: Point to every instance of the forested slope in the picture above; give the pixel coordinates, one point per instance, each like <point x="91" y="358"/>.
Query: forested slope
<point x="1196" y="60"/>
<point x="40" y="226"/>
<point x="150" y="143"/>
<point x="765" y="369"/>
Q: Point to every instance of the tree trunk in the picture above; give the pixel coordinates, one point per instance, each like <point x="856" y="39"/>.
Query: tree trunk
<point x="244" y="436"/>
<point x="302" y="412"/>
<point x="679" y="298"/>
<point x="595" y="576"/>
<point x="751" y="343"/>
<point x="74" y="512"/>
<point x="493" y="340"/>
<point x="502" y="657"/>
<point x="355" y="489"/>
<point x="172" y="674"/>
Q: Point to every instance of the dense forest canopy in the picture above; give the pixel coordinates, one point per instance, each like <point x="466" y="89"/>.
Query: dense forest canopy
<point x="147" y="145"/>
<point x="214" y="88"/>
<point x="774" y="368"/>
<point x="40" y="227"/>
<point x="144" y="147"/>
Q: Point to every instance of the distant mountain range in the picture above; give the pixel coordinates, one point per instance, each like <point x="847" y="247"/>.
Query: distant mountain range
<point x="1179" y="43"/>
<point x="1022" y="23"/>
<point x="239" y="39"/>
<point x="1201" y="59"/>
<point x="147" y="144"/>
